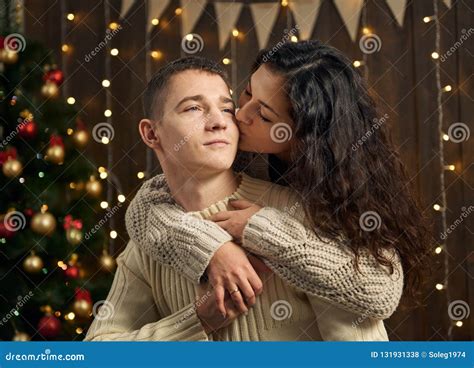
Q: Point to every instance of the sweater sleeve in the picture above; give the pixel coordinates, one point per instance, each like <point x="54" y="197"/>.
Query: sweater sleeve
<point x="170" y="236"/>
<point x="130" y="312"/>
<point x="336" y="324"/>
<point x="324" y="269"/>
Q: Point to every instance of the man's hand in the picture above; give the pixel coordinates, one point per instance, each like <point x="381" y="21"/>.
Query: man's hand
<point x="234" y="222"/>
<point x="231" y="269"/>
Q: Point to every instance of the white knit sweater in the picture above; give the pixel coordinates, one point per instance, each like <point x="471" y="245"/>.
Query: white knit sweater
<point x="277" y="233"/>
<point x="152" y="302"/>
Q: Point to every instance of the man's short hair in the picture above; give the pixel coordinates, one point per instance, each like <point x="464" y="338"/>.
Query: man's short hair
<point x="158" y="83"/>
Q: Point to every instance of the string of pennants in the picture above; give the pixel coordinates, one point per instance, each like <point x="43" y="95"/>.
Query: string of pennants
<point x="265" y="14"/>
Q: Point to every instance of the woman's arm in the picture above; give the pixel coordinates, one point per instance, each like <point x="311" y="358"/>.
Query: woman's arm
<point x="130" y="312"/>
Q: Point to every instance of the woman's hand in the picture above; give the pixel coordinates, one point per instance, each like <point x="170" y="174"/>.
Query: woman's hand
<point x="234" y="222"/>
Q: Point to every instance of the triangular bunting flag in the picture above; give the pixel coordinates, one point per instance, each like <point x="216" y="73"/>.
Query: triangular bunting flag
<point x="155" y="10"/>
<point x="305" y="12"/>
<point x="192" y="10"/>
<point x="398" y="9"/>
<point x="126" y="5"/>
<point x="350" y="13"/>
<point x="264" y="18"/>
<point x="227" y="15"/>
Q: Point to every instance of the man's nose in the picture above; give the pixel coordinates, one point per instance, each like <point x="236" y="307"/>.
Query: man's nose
<point x="215" y="120"/>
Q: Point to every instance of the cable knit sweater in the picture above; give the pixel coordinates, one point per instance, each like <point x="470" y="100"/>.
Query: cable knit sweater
<point x="149" y="301"/>
<point x="278" y="233"/>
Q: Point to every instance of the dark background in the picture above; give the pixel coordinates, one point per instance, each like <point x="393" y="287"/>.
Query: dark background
<point x="401" y="74"/>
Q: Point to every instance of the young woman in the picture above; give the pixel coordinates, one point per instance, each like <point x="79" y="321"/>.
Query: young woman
<point x="307" y="108"/>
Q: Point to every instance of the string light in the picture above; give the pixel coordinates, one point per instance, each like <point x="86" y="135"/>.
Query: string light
<point x="437" y="207"/>
<point x="121" y="198"/>
<point x="438" y="250"/>
<point x="107" y="113"/>
<point x="366" y="31"/>
<point x="70" y="17"/>
<point x="104" y="140"/>
<point x="439" y="286"/>
<point x="459" y="324"/>
<point x="65" y="48"/>
<point x="235" y="32"/>
<point x="450" y="167"/>
<point x="155" y="21"/>
<point x="428" y="19"/>
<point x="104" y="204"/>
<point x="294" y="39"/>
<point x="113" y="26"/>
<point x="226" y="61"/>
<point x="71" y="100"/>
<point x="445" y="137"/>
<point x="140" y="175"/>
<point x="156" y="54"/>
<point x="357" y="63"/>
<point x="105" y="83"/>
<point x="189" y="37"/>
<point x="284" y="3"/>
<point x="447" y="88"/>
<point x="114" y="52"/>
<point x="178" y="11"/>
<point x="113" y="234"/>
<point x="434" y="55"/>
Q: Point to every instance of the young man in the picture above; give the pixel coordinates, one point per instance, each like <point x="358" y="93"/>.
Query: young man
<point x="150" y="301"/>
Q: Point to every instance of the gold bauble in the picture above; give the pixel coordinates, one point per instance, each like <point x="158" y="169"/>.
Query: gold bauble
<point x="43" y="223"/>
<point x="94" y="187"/>
<point x="21" y="336"/>
<point x="33" y="264"/>
<point x="80" y="138"/>
<point x="82" y="308"/>
<point x="49" y="89"/>
<point x="55" y="154"/>
<point x="9" y="56"/>
<point x="107" y="262"/>
<point x="12" y="167"/>
<point x="74" y="236"/>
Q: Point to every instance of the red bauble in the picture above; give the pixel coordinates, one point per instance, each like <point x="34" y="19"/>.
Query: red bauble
<point x="28" y="130"/>
<point x="49" y="326"/>
<point x="72" y="272"/>
<point x="56" y="76"/>
<point x="5" y="232"/>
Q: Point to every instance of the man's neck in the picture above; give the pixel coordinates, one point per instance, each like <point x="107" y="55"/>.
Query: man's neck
<point x="199" y="192"/>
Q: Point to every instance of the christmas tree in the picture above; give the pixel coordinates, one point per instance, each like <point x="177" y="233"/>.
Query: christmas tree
<point x="54" y="273"/>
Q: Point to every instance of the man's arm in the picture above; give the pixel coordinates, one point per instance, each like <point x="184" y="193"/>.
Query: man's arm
<point x="130" y="312"/>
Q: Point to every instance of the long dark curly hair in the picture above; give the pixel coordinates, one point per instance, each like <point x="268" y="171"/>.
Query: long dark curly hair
<point x="344" y="164"/>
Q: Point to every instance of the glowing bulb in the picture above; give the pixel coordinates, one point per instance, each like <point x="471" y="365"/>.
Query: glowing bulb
<point x="437" y="207"/>
<point x="459" y="324"/>
<point x="105" y="140"/>
<point x="78" y="330"/>
<point x="235" y="32"/>
<point x="70" y="316"/>
<point x="178" y="11"/>
<point x="107" y="113"/>
<point x="428" y="19"/>
<point x="114" y="52"/>
<point x="70" y="17"/>
<point x="434" y="55"/>
<point x="439" y="286"/>
<point x="366" y="30"/>
<point x="155" y="54"/>
<point x="294" y="39"/>
<point x="71" y="100"/>
<point x="357" y="63"/>
<point x="121" y="198"/>
<point x="226" y="61"/>
<point x="104" y="204"/>
<point x="103" y="175"/>
<point x="113" y="26"/>
<point x="105" y="83"/>
<point x="284" y="2"/>
<point x="140" y="175"/>
<point x="113" y="234"/>
<point x="445" y="137"/>
<point x="101" y="169"/>
<point x="447" y="88"/>
<point x="450" y="167"/>
<point x="155" y="21"/>
<point x="65" y="47"/>
<point x="189" y="37"/>
<point x="438" y="250"/>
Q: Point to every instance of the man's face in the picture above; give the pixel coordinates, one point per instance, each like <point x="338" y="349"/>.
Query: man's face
<point x="197" y="130"/>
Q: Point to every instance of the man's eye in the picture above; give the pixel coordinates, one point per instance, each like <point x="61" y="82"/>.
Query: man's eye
<point x="192" y="108"/>
<point x="231" y="111"/>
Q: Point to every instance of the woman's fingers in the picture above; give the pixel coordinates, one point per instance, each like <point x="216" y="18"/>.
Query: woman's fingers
<point x="219" y="293"/>
<point x="237" y="297"/>
<point x="220" y="216"/>
<point x="248" y="292"/>
<point x="240" y="204"/>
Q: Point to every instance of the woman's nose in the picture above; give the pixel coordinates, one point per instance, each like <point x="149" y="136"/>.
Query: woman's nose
<point x="241" y="114"/>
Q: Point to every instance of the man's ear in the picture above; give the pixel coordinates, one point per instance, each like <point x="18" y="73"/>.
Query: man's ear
<point x="149" y="136"/>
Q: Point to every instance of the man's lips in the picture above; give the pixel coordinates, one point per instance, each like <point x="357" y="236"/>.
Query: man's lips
<point x="219" y="142"/>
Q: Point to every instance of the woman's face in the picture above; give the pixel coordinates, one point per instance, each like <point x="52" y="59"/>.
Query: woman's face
<point x="264" y="115"/>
